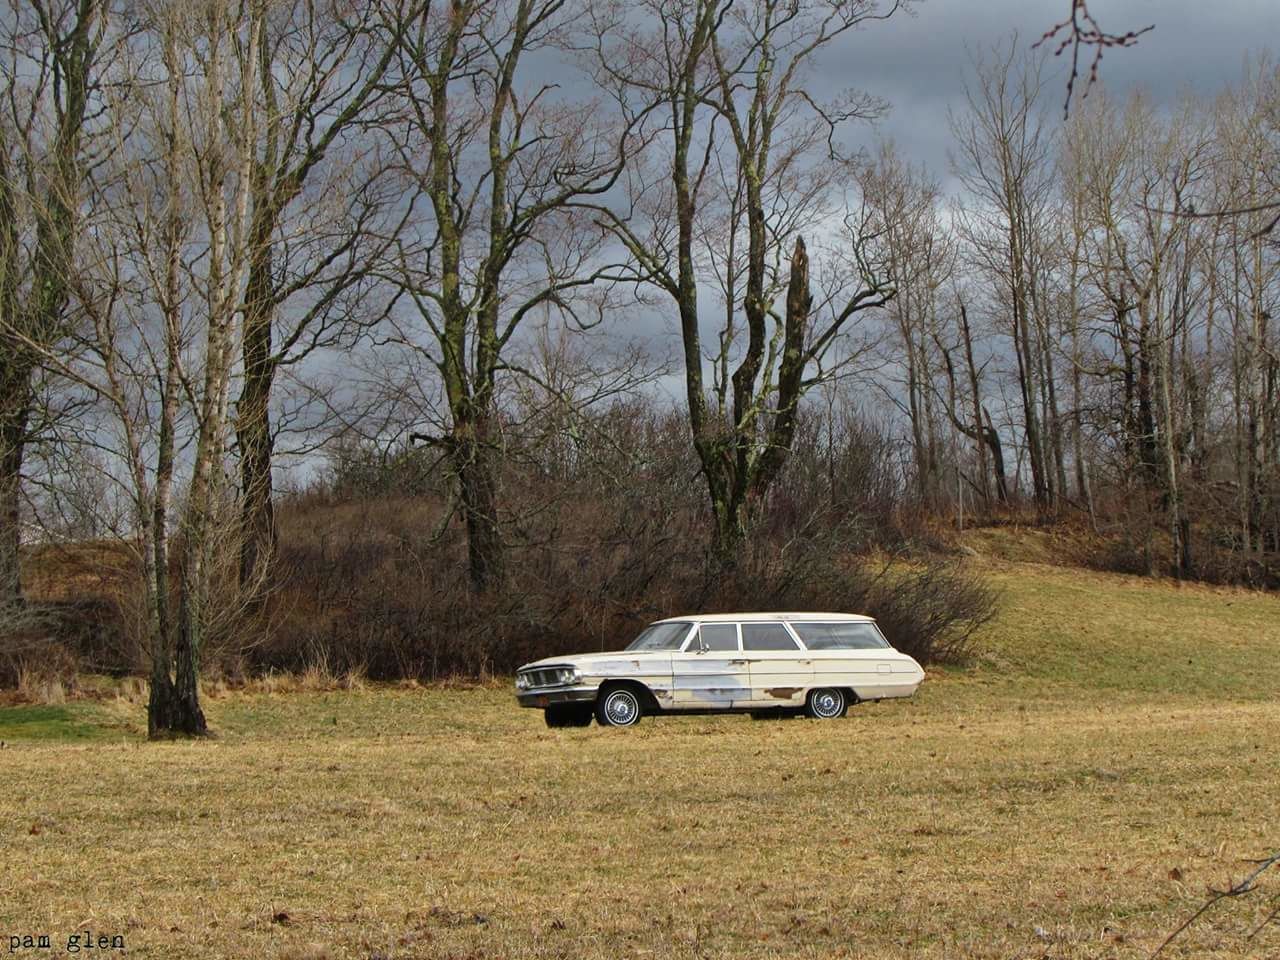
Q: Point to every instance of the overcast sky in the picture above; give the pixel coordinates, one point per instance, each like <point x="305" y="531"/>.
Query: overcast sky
<point x="919" y="63"/>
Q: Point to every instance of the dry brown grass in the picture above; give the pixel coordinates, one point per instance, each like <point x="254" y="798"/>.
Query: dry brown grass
<point x="69" y="572"/>
<point x="1073" y="810"/>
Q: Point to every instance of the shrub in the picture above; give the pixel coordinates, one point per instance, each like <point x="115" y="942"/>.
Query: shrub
<point x="607" y="531"/>
<point x="47" y="644"/>
<point x="376" y="588"/>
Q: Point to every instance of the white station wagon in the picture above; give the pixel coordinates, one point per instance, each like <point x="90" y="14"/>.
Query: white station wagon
<point x="765" y="664"/>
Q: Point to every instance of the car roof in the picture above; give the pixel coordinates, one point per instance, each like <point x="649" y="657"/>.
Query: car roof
<point x="768" y="617"/>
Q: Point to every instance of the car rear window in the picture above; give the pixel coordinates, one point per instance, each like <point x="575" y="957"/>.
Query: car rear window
<point x="766" y="636"/>
<point x="840" y="636"/>
<point x="660" y="636"/>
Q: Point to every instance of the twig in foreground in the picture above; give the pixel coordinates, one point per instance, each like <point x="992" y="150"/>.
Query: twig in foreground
<point x="1244" y="886"/>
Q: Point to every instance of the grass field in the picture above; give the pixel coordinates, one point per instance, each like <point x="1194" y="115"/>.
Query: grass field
<point x="1071" y="794"/>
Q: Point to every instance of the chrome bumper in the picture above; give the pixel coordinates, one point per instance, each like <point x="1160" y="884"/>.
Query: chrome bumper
<point x="548" y="696"/>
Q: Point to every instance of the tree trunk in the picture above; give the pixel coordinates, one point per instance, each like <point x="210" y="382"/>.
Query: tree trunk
<point x="162" y="709"/>
<point x="72" y="45"/>
<point x="226" y="222"/>
<point x="1148" y="452"/>
<point x="919" y="447"/>
<point x="1179" y="529"/>
<point x="174" y="704"/>
<point x="178" y="706"/>
<point x="185" y="715"/>
<point x="476" y="467"/>
<point x="15" y="409"/>
<point x="162" y="712"/>
<point x="976" y="396"/>
<point x="15" y="397"/>
<point x="1020" y="328"/>
<point x="253" y="425"/>
<point x="182" y="711"/>
<point x="997" y="458"/>
<point x="188" y="717"/>
<point x="1077" y="423"/>
<point x="1031" y="419"/>
<point x="730" y="531"/>
<point x="1055" y="422"/>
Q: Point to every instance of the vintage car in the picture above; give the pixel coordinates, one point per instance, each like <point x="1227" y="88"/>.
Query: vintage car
<point x="765" y="664"/>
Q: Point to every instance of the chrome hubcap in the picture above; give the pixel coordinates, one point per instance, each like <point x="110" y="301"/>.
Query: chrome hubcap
<point x="622" y="708"/>
<point x="827" y="703"/>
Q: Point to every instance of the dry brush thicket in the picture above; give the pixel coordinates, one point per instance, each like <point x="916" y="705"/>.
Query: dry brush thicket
<point x="416" y="243"/>
<point x="609" y="538"/>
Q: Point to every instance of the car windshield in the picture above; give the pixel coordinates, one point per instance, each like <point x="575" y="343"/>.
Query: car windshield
<point x="660" y="636"/>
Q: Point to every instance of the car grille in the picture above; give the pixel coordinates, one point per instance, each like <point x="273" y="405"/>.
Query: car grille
<point x="542" y="678"/>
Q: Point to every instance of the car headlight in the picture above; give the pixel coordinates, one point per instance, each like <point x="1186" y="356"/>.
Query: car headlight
<point x="547" y="677"/>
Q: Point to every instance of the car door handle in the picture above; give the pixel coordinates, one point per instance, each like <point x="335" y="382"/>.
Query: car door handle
<point x="804" y="663"/>
<point x="738" y="663"/>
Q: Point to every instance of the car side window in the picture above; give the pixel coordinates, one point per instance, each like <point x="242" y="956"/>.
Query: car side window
<point x="719" y="636"/>
<point x="766" y="636"/>
<point x="840" y="636"/>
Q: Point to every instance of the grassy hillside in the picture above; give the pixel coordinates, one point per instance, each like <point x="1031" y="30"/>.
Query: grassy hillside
<point x="1071" y="794"/>
<point x="1090" y="635"/>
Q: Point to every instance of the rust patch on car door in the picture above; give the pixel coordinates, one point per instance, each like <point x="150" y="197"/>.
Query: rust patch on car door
<point x="782" y="693"/>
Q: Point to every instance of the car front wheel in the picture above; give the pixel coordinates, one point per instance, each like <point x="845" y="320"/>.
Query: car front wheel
<point x="826" y="703"/>
<point x="619" y="707"/>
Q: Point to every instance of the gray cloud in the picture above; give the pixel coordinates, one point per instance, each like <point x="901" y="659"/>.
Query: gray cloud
<point x="919" y="63"/>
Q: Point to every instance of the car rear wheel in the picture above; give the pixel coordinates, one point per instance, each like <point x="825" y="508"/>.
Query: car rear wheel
<point x="619" y="706"/>
<point x="568" y="715"/>
<point x="826" y="703"/>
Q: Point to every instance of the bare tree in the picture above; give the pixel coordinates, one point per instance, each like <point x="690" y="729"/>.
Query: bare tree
<point x="920" y="255"/>
<point x="158" y="285"/>
<point x="748" y="163"/>
<point x="1247" y="130"/>
<point x="224" y="44"/>
<point x="1003" y="155"/>
<point x="980" y="428"/>
<point x="130" y="259"/>
<point x="54" y="50"/>
<point x="1133" y="169"/>
<point x="320" y="216"/>
<point x="496" y="164"/>
<point x="165" y="284"/>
